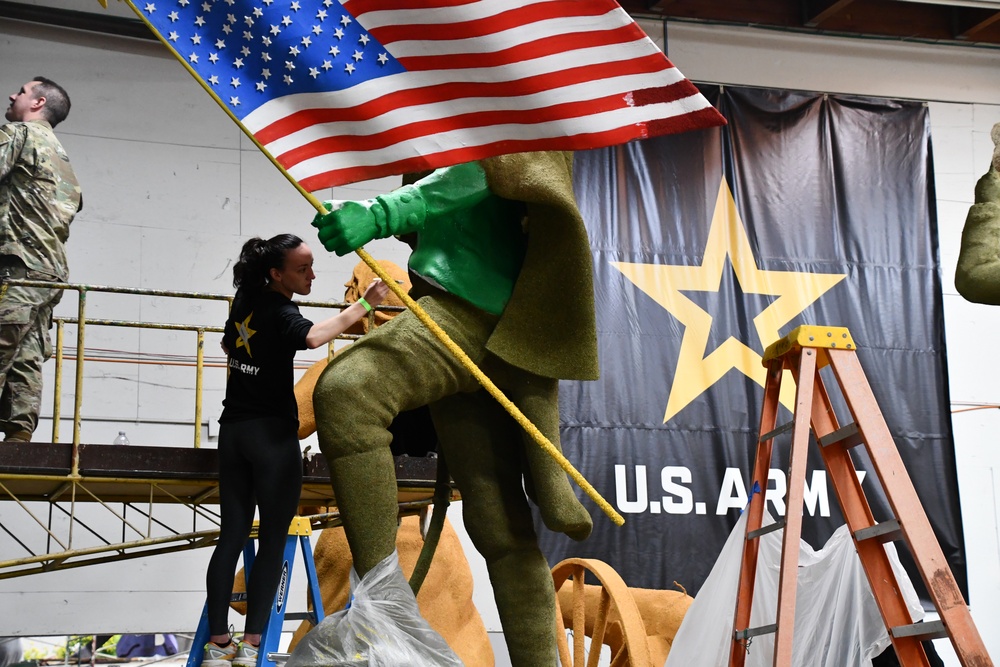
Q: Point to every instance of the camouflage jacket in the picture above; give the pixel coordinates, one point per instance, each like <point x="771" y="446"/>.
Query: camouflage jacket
<point x="39" y="196"/>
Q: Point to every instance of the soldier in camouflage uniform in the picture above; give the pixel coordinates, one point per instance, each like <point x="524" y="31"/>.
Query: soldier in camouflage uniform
<point x="39" y="196"/>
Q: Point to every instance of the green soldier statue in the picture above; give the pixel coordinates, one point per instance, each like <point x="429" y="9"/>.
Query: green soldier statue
<point x="502" y="263"/>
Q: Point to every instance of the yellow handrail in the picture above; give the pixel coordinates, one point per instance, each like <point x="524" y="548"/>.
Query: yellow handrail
<point x="82" y="322"/>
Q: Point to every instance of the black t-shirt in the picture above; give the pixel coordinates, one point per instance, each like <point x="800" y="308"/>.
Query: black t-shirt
<point x="262" y="334"/>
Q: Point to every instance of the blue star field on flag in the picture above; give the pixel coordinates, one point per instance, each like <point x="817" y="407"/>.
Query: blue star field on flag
<point x="276" y="48"/>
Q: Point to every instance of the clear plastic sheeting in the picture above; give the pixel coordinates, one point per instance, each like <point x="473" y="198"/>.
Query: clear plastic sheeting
<point x="381" y="628"/>
<point x="837" y="622"/>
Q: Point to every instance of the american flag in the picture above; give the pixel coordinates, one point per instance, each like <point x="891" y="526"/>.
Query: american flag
<point x="339" y="92"/>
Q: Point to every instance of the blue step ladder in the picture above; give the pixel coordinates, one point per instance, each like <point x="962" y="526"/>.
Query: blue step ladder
<point x="300" y="528"/>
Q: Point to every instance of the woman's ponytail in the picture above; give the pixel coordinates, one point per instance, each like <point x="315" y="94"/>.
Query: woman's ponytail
<point x="252" y="270"/>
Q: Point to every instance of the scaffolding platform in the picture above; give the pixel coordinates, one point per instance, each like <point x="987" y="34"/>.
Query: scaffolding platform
<point x="132" y="484"/>
<point x="39" y="471"/>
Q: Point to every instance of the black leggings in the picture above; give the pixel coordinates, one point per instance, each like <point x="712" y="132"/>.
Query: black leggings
<point x="260" y="464"/>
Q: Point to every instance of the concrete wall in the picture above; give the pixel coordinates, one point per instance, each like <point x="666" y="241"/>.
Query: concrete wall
<point x="172" y="190"/>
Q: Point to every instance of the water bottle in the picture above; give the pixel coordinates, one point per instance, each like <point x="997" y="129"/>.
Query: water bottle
<point x="122" y="439"/>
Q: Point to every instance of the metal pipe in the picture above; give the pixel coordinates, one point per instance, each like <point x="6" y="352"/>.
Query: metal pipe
<point x="72" y="514"/>
<point x="150" y="541"/>
<point x="29" y="513"/>
<point x="197" y="388"/>
<point x="94" y="479"/>
<point x="146" y="325"/>
<point x="141" y="291"/>
<point x="57" y="397"/>
<point x="78" y="398"/>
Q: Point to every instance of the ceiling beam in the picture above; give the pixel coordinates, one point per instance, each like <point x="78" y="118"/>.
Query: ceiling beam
<point x="984" y="4"/>
<point x="816" y="20"/>
<point x="69" y="18"/>
<point x="968" y="29"/>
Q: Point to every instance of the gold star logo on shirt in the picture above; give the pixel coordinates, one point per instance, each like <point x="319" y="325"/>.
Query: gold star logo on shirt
<point x="245" y="333"/>
<point x="727" y="237"/>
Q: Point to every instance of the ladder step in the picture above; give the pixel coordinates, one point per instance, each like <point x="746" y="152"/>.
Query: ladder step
<point x="278" y="658"/>
<point x="928" y="630"/>
<point x="770" y="528"/>
<point x="756" y="632"/>
<point x="887" y="531"/>
<point x="784" y="428"/>
<point x="846" y="436"/>
<point x="299" y="616"/>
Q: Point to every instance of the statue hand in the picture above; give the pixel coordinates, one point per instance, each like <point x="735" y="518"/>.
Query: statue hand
<point x="348" y="225"/>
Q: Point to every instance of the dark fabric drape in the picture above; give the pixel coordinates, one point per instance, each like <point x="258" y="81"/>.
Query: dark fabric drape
<point x="824" y="185"/>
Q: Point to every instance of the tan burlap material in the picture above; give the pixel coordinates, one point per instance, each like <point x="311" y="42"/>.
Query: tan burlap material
<point x="362" y="278"/>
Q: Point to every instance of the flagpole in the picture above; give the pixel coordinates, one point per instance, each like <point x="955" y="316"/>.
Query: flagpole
<point x="419" y="312"/>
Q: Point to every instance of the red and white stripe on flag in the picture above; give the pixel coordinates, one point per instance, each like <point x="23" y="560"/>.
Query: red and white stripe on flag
<point x="479" y="78"/>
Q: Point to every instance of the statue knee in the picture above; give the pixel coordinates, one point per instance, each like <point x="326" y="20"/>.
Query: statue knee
<point x="351" y="418"/>
<point x="333" y="389"/>
<point x="497" y="535"/>
<point x="334" y="404"/>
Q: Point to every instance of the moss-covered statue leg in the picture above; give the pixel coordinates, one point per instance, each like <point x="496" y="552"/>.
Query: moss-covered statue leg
<point x="477" y="437"/>
<point x="399" y="366"/>
<point x="547" y="483"/>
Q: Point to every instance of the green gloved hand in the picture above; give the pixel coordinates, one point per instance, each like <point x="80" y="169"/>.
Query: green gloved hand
<point x="351" y="224"/>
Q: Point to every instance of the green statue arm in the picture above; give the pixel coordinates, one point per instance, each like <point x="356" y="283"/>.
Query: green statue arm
<point x="348" y="225"/>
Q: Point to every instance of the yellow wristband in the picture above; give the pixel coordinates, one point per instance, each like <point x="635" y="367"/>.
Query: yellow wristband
<point x="364" y="303"/>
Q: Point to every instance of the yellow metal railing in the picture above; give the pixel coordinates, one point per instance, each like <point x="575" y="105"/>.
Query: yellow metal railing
<point x="82" y="323"/>
<point x="82" y="523"/>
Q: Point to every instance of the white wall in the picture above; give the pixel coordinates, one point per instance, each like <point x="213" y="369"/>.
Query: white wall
<point x="172" y="190"/>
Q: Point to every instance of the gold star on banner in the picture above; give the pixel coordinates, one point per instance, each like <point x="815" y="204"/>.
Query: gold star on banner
<point x="727" y="237"/>
<point x="245" y="333"/>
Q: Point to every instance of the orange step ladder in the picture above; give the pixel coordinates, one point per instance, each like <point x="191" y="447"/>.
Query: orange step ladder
<point x="804" y="352"/>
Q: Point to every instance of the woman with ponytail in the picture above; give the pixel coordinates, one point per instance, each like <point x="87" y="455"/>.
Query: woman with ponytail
<point x="260" y="463"/>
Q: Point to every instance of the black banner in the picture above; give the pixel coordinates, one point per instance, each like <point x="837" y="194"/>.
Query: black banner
<point x="708" y="246"/>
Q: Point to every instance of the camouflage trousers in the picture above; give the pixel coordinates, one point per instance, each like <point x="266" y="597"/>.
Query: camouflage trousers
<point x="25" y="319"/>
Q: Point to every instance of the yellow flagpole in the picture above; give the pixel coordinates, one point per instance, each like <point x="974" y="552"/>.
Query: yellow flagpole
<point x="419" y="312"/>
